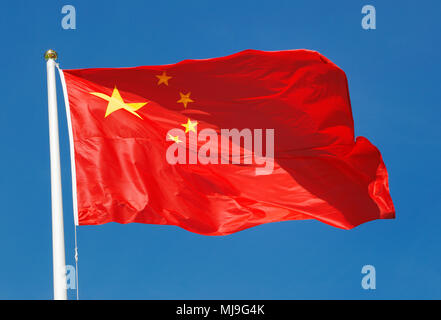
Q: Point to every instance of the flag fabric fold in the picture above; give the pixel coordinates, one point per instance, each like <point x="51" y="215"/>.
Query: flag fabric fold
<point x="219" y="145"/>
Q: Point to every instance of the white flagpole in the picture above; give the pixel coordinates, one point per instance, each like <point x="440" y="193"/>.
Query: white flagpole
<point x="59" y="260"/>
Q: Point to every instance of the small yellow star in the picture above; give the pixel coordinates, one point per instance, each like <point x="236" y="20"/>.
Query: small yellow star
<point x="174" y="138"/>
<point x="163" y="78"/>
<point x="190" y="126"/>
<point x="185" y="98"/>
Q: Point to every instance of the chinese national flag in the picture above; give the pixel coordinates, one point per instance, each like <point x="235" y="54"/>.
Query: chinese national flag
<point x="147" y="144"/>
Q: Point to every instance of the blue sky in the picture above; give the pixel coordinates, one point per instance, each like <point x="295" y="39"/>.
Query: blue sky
<point x="394" y="82"/>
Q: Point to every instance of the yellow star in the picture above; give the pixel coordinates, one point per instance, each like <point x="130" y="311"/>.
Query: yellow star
<point x="116" y="103"/>
<point x="174" y="138"/>
<point x="163" y="78"/>
<point x="185" y="98"/>
<point x="190" y="126"/>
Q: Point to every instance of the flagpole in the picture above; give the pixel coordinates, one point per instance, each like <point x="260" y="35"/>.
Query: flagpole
<point x="59" y="260"/>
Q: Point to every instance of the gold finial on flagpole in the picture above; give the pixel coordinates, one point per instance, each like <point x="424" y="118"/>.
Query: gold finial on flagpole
<point x="50" y="54"/>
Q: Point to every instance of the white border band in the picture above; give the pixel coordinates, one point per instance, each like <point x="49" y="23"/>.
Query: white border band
<point x="72" y="149"/>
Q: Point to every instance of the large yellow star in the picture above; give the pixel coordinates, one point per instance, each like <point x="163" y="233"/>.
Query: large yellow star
<point x="190" y="125"/>
<point x="163" y="78"/>
<point x="116" y="103"/>
<point x="185" y="98"/>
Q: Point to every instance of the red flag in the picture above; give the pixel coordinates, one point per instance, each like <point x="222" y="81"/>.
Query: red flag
<point x="219" y="145"/>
